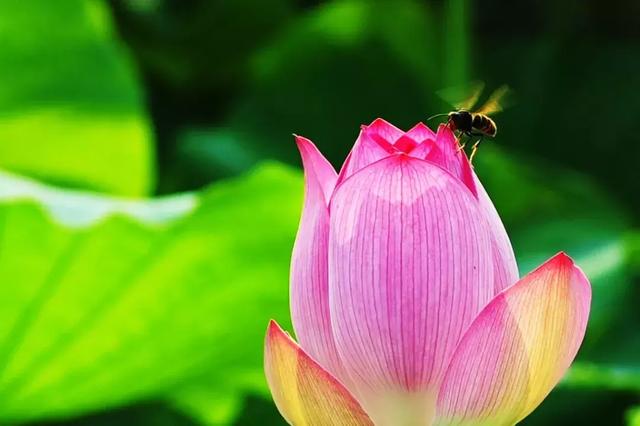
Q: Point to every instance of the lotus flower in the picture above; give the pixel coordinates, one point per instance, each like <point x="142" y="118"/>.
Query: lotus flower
<point x="406" y="299"/>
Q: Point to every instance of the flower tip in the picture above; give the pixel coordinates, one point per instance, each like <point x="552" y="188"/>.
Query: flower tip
<point x="275" y="331"/>
<point x="421" y="126"/>
<point x="276" y="335"/>
<point x="379" y="122"/>
<point x="562" y="259"/>
<point x="385" y="129"/>
<point x="304" y="145"/>
<point x="273" y="328"/>
<point x="446" y="138"/>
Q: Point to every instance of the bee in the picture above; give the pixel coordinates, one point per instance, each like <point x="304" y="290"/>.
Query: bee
<point x="475" y="123"/>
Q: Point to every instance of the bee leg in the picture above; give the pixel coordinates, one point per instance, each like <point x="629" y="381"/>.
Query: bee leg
<point x="474" y="149"/>
<point x="462" y="145"/>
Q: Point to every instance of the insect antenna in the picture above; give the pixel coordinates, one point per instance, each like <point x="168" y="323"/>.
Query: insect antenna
<point x="436" y="116"/>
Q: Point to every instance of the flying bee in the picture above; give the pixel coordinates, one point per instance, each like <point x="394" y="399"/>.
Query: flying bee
<point x="475" y="123"/>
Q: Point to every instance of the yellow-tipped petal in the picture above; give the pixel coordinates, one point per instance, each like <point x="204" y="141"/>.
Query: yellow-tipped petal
<point x="304" y="392"/>
<point x="517" y="349"/>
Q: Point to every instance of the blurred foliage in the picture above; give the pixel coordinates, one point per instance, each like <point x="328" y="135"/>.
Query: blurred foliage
<point x="132" y="301"/>
<point x="548" y="209"/>
<point x="70" y="106"/>
<point x="152" y="312"/>
<point x="633" y="417"/>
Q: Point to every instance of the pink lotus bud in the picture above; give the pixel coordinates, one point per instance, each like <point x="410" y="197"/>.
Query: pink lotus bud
<point x="406" y="299"/>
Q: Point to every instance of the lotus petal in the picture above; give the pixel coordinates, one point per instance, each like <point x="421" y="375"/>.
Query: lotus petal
<point x="410" y="267"/>
<point x="309" y="273"/>
<point x="304" y="392"/>
<point x="518" y="348"/>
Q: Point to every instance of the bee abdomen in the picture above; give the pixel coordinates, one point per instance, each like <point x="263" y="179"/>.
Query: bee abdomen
<point x="484" y="124"/>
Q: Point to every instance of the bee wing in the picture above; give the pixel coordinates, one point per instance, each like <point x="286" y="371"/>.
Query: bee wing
<point x="497" y="101"/>
<point x="462" y="97"/>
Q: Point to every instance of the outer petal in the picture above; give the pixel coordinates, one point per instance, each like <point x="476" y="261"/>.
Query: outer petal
<point x="446" y="153"/>
<point x="319" y="172"/>
<point x="303" y="391"/>
<point x="518" y="348"/>
<point x="409" y="268"/>
<point x="505" y="266"/>
<point x="309" y="277"/>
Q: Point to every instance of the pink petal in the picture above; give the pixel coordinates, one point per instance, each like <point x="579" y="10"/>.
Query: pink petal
<point x="382" y="130"/>
<point x="447" y="141"/>
<point x="365" y="151"/>
<point x="505" y="266"/>
<point x="422" y="151"/>
<point x="447" y="154"/>
<point x="518" y="348"/>
<point x="405" y="144"/>
<point x="452" y="158"/>
<point x="381" y="139"/>
<point x="421" y="133"/>
<point x="318" y="171"/>
<point x="303" y="391"/>
<point x="410" y="266"/>
<point x="309" y="276"/>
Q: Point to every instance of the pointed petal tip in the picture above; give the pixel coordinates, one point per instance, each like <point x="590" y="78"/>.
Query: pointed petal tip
<point x="274" y="332"/>
<point x="307" y="148"/>
<point x="447" y="154"/>
<point x="562" y="263"/>
<point x="384" y="130"/>
<point x="303" y="391"/>
<point x="508" y="343"/>
<point x="562" y="259"/>
<point x="380" y="122"/>
<point x="303" y="145"/>
<point x="273" y="326"/>
<point x="421" y="132"/>
<point x="446" y="135"/>
<point x="301" y="141"/>
<point x="318" y="171"/>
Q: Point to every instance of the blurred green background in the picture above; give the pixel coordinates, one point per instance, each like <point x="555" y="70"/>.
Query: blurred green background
<point x="151" y="189"/>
